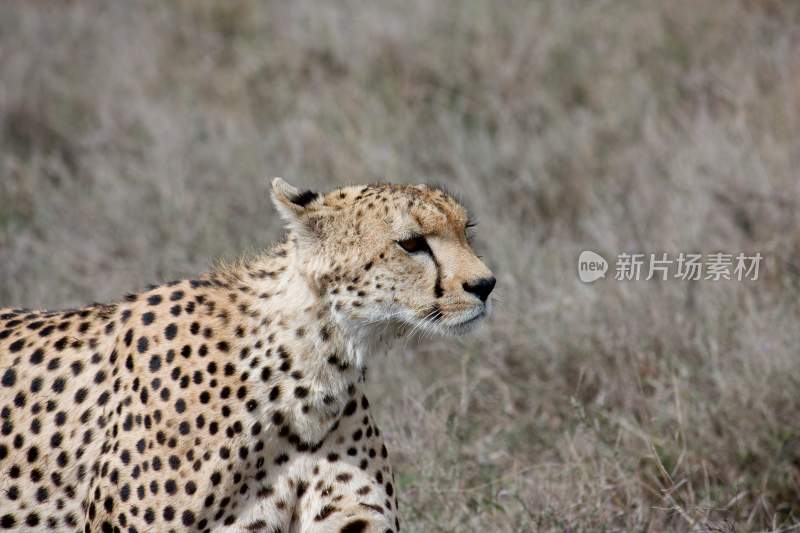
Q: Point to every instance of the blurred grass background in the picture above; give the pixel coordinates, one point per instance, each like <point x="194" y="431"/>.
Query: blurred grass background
<point x="137" y="139"/>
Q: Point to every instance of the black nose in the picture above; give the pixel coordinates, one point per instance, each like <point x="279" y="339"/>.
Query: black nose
<point x="481" y="288"/>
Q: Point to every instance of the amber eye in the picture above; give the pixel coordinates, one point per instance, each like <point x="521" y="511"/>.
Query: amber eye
<point x="414" y="245"/>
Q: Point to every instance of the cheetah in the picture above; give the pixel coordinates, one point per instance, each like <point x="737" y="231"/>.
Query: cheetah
<point x="233" y="402"/>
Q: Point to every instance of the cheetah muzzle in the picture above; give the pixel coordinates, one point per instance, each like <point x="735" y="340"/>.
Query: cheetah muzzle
<point x="231" y="402"/>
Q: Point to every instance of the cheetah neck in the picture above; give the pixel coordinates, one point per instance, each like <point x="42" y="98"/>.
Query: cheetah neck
<point x="296" y="323"/>
<point x="295" y="298"/>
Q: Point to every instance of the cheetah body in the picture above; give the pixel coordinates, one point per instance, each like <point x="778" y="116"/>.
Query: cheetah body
<point x="231" y="402"/>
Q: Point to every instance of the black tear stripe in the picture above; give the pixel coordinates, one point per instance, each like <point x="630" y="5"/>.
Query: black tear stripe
<point x="304" y="198"/>
<point x="437" y="288"/>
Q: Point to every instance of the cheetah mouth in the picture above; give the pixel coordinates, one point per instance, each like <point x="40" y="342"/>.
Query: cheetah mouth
<point x="444" y="322"/>
<point x="468" y="324"/>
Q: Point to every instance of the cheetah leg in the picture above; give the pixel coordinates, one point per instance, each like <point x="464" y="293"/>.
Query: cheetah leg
<point x="361" y="519"/>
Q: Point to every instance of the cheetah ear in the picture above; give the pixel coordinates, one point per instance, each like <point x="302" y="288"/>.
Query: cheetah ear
<point x="290" y="201"/>
<point x="293" y="204"/>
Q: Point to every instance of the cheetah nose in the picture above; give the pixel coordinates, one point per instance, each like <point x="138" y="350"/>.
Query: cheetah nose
<point x="481" y="288"/>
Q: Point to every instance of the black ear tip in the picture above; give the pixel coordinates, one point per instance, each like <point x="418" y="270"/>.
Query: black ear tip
<point x="304" y="198"/>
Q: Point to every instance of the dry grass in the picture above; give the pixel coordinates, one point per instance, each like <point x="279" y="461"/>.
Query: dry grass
<point x="137" y="138"/>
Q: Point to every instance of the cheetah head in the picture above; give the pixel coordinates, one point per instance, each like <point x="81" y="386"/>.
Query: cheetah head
<point x="389" y="255"/>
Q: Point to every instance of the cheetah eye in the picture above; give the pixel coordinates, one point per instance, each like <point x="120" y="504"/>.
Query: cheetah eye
<point x="468" y="230"/>
<point x="414" y="245"/>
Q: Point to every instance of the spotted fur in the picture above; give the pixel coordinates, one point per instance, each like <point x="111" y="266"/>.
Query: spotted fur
<point x="231" y="402"/>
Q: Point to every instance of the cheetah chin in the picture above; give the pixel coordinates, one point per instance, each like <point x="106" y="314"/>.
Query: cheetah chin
<point x="470" y="322"/>
<point x="233" y="401"/>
